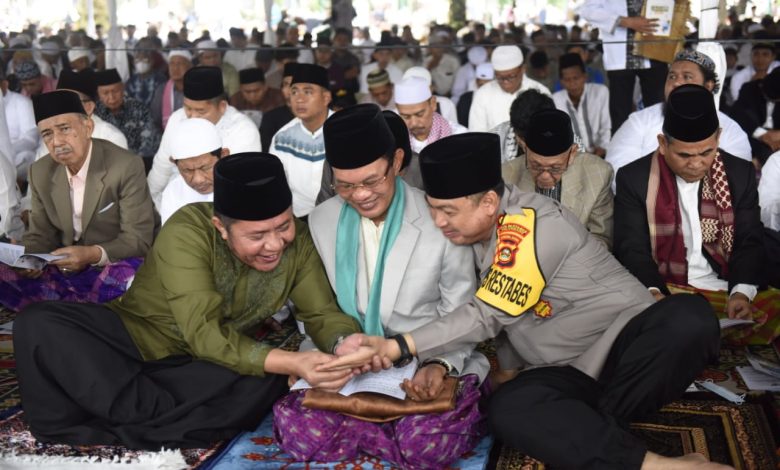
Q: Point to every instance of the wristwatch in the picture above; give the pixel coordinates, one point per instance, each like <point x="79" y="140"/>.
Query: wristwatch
<point x="406" y="354"/>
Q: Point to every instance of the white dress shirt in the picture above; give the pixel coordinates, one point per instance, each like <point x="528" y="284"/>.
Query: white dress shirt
<point x="443" y="75"/>
<point x="700" y="273"/>
<point x="464" y="81"/>
<point x="22" y="130"/>
<point x="743" y="76"/>
<point x="638" y="136"/>
<point x="604" y="15"/>
<point x="490" y="105"/>
<point x="10" y="199"/>
<point x="241" y="58"/>
<point x="238" y="134"/>
<point x="595" y="128"/>
<point x="372" y="237"/>
<point x="178" y="194"/>
<point x="769" y="192"/>
<point x="447" y="108"/>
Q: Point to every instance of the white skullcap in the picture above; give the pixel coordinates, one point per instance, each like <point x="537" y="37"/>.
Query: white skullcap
<point x="477" y="55"/>
<point x="411" y="90"/>
<point x="77" y="53"/>
<point x="50" y="48"/>
<point x="506" y="58"/>
<point x="419" y="72"/>
<point x="180" y="53"/>
<point x="194" y="137"/>
<point x="485" y="71"/>
<point x="19" y="40"/>
<point x="207" y="44"/>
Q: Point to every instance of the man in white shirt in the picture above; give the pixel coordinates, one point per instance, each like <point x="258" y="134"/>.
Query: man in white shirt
<point x="195" y="148"/>
<point x="587" y="104"/>
<point x="687" y="216"/>
<point x="417" y="107"/>
<point x="444" y="105"/>
<point x="762" y="62"/>
<point x="241" y="57"/>
<point x="300" y="144"/>
<point x="465" y="78"/>
<point x="23" y="134"/>
<point x="491" y="102"/>
<point x="638" y="136"/>
<point x="769" y="192"/>
<point x="204" y="97"/>
<point x="442" y="65"/>
<point x="11" y="225"/>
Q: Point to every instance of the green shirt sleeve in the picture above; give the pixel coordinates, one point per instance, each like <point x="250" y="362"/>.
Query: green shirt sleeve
<point x="184" y="262"/>
<point x="313" y="298"/>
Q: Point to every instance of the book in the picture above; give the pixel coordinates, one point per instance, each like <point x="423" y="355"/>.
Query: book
<point x="756" y="380"/>
<point x="764" y="366"/>
<point x="385" y="382"/>
<point x="663" y="11"/>
<point x="14" y="255"/>
<point x="729" y="322"/>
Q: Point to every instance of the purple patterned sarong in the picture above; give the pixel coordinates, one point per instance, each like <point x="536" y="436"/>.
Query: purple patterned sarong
<point x="94" y="285"/>
<point x="415" y="442"/>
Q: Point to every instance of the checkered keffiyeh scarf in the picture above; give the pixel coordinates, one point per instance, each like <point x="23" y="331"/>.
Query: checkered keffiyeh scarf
<point x="716" y="216"/>
<point x="440" y="129"/>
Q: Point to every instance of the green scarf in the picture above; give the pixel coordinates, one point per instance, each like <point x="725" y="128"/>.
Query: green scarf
<point x="347" y="247"/>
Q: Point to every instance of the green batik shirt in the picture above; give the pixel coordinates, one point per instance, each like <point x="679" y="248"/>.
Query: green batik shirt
<point x="192" y="296"/>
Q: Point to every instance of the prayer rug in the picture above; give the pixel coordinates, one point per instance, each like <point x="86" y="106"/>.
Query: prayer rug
<point x="738" y="435"/>
<point x="257" y="450"/>
<point x="20" y="450"/>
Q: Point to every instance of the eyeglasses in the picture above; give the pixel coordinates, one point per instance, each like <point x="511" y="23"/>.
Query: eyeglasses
<point x="369" y="184"/>
<point x="508" y="78"/>
<point x="552" y="170"/>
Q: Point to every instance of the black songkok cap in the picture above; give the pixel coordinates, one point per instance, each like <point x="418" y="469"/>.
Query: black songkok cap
<point x="237" y="32"/>
<point x="54" y="103"/>
<point x="549" y="133"/>
<point x="356" y="136"/>
<point x="461" y="165"/>
<point x="250" y="186"/>
<point x="289" y="69"/>
<point x="400" y="133"/>
<point x="570" y="60"/>
<point x="251" y="76"/>
<point x="107" y="77"/>
<point x="309" y="73"/>
<point x="771" y="85"/>
<point x="689" y="114"/>
<point x="203" y="83"/>
<point x="83" y="82"/>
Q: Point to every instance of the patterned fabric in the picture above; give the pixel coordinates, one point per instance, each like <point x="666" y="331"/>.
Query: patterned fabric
<point x="665" y="220"/>
<point x="297" y="141"/>
<point x="142" y="88"/>
<point x="766" y="314"/>
<point x="439" y="129"/>
<point x="136" y="124"/>
<point x="93" y="285"/>
<point x="552" y="193"/>
<point x="415" y="441"/>
<point x="717" y="215"/>
<point x="633" y="61"/>
<point x="27" y="70"/>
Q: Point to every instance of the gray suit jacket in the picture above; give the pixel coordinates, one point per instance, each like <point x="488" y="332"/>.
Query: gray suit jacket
<point x="117" y="214"/>
<point x="426" y="277"/>
<point x="592" y="298"/>
<point x="585" y="190"/>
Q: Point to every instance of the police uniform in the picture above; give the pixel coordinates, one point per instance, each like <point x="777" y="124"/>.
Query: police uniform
<point x="598" y="351"/>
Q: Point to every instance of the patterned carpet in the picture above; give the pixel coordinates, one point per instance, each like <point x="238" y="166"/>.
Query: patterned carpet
<point x="743" y="436"/>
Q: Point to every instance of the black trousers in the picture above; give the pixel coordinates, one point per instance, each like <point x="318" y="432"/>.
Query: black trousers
<point x="621" y="90"/>
<point x="569" y="420"/>
<point x="83" y="382"/>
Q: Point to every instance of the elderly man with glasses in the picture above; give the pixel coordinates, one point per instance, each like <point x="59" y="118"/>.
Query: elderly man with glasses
<point x="579" y="181"/>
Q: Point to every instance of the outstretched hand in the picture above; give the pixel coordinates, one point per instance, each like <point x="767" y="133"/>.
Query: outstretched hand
<point x="308" y="368"/>
<point x="359" y="351"/>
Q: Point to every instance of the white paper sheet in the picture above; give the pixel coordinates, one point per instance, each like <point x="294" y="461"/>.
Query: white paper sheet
<point x="386" y="382"/>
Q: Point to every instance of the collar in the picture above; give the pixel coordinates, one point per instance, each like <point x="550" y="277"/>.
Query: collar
<point x="82" y="173"/>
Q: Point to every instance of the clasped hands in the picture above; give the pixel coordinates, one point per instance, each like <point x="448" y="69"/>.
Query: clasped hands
<point x="360" y="353"/>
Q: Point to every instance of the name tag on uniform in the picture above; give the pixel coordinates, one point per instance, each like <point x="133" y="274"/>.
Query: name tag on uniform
<point x="514" y="282"/>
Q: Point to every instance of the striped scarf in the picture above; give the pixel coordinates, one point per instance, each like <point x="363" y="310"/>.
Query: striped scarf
<point x="716" y="217"/>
